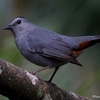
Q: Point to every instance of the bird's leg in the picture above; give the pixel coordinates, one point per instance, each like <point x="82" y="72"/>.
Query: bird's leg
<point x="35" y="72"/>
<point x="53" y="74"/>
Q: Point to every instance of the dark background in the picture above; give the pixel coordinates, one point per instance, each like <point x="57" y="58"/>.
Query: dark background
<point x="69" y="17"/>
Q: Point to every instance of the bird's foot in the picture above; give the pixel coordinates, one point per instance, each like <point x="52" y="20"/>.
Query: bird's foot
<point x="34" y="73"/>
<point x="50" y="82"/>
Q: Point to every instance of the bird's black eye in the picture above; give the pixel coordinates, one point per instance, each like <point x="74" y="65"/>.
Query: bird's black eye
<point x="18" y="21"/>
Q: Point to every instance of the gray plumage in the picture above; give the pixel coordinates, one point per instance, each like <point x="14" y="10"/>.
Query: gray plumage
<point x="47" y="48"/>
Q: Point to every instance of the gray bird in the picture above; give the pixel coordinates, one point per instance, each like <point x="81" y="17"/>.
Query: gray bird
<point x="47" y="48"/>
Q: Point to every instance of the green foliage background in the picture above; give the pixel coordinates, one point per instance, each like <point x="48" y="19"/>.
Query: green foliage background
<point x="69" y="17"/>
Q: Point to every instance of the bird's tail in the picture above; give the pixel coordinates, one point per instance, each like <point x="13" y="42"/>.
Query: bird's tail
<point x="78" y="44"/>
<point x="84" y="42"/>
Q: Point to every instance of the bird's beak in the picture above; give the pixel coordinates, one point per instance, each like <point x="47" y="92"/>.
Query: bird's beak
<point x="8" y="27"/>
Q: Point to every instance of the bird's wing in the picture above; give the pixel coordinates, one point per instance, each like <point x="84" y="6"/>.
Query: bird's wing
<point x="53" y="48"/>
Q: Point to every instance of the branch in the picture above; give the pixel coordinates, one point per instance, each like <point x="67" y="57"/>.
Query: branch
<point x="18" y="84"/>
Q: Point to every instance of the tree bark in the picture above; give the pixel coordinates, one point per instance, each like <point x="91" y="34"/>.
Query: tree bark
<point x="18" y="84"/>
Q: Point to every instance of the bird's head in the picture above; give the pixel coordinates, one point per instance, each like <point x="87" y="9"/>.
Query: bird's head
<point x="19" y="25"/>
